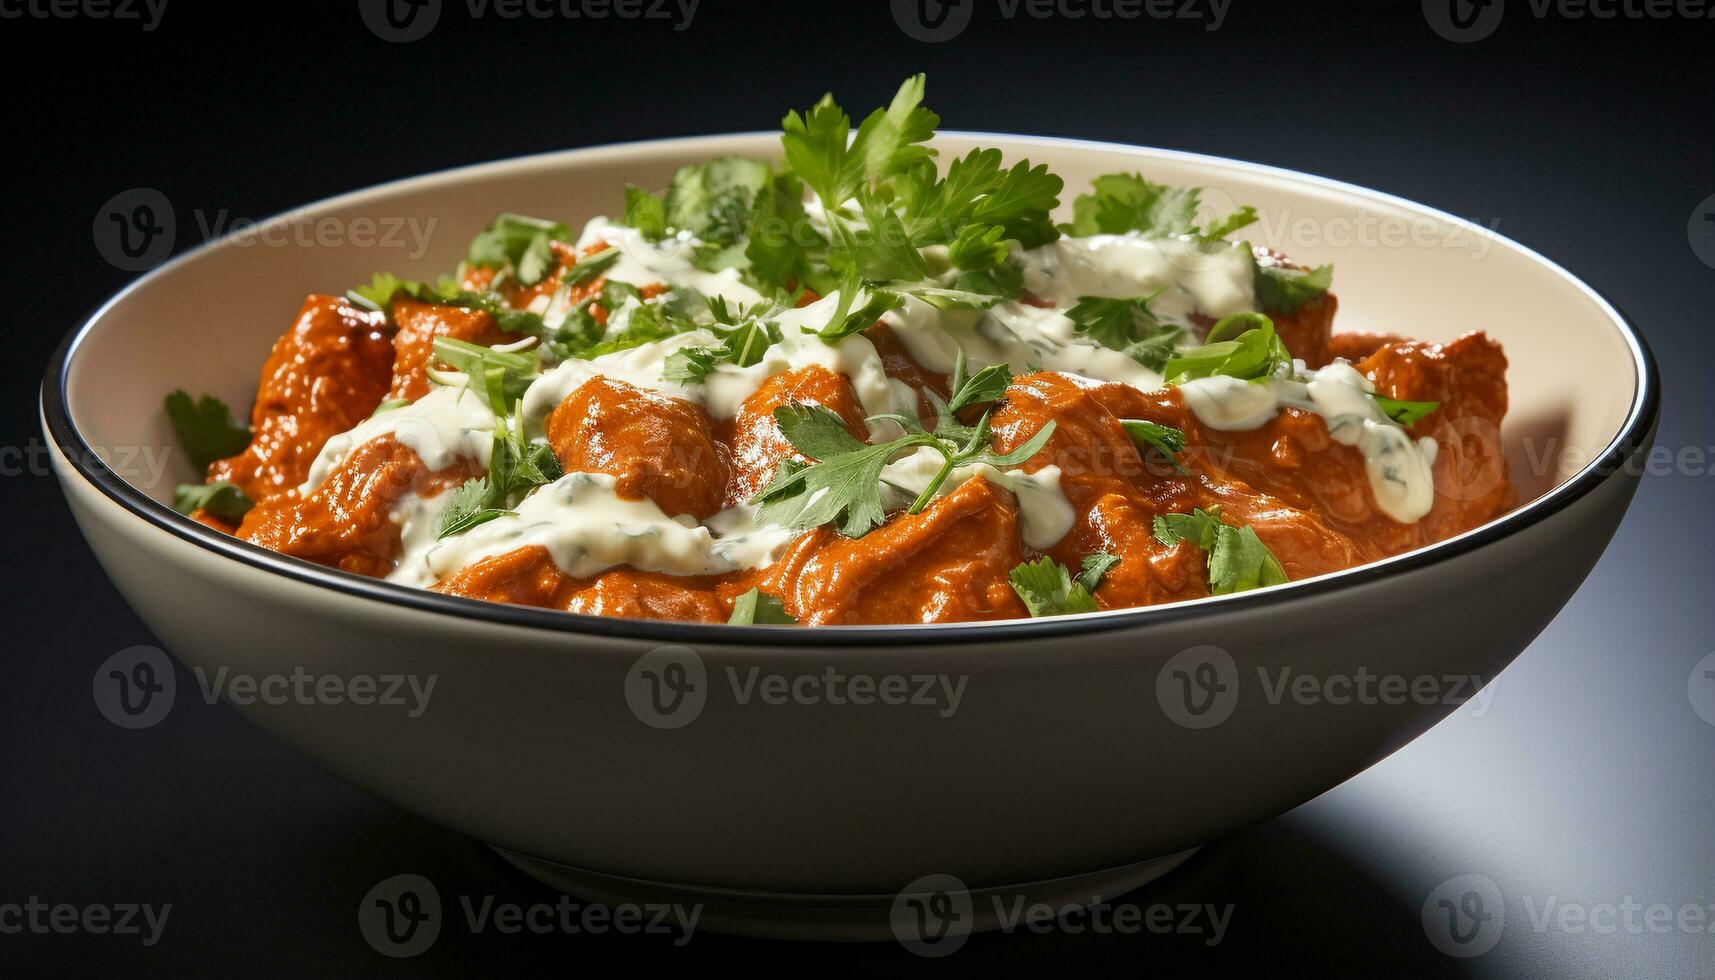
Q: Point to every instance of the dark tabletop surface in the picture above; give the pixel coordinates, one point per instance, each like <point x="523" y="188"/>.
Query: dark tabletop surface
<point x="1583" y="790"/>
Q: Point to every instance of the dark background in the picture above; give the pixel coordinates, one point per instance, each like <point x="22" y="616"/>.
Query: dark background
<point x="1588" y="781"/>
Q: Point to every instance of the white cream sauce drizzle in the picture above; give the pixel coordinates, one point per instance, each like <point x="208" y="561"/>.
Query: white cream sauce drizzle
<point x="587" y="528"/>
<point x="1399" y="468"/>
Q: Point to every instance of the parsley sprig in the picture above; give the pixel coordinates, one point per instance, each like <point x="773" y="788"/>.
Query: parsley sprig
<point x="843" y="483"/>
<point x="1238" y="560"/>
<point x="1243" y="346"/>
<point x="516" y="465"/>
<point x="1049" y="589"/>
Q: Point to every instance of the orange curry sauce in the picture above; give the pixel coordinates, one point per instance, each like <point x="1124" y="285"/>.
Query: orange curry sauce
<point x="1307" y="498"/>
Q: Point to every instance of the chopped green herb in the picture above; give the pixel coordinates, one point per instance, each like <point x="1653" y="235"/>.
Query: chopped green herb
<point x="761" y="609"/>
<point x="1048" y="588"/>
<point x="1404" y="412"/>
<point x="205" y="428"/>
<point x="1285" y="291"/>
<point x="1164" y="439"/>
<point x="1116" y="323"/>
<point x="1254" y="354"/>
<point x="220" y="498"/>
<point x="1238" y="560"/>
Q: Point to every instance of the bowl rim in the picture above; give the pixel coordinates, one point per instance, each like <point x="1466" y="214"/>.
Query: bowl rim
<point x="1632" y="435"/>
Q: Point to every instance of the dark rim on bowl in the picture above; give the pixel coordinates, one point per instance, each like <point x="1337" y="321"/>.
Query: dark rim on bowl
<point x="1633" y="436"/>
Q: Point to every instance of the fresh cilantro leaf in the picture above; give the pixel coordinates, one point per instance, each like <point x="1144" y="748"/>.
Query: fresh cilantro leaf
<point x="978" y="247"/>
<point x="1120" y="203"/>
<point x="496" y="377"/>
<point x="842" y="488"/>
<point x="522" y="243"/>
<point x="1164" y="439"/>
<point x="389" y="405"/>
<point x="890" y="140"/>
<point x="780" y="236"/>
<point x="713" y="200"/>
<point x="383" y="286"/>
<point x="205" y="428"/>
<point x="847" y="321"/>
<point x="815" y="145"/>
<point x="1198" y="527"/>
<point x="1154" y="352"/>
<point x="646" y="212"/>
<point x="761" y="609"/>
<point x="1244" y="217"/>
<point x="1096" y="565"/>
<point x="467" y="507"/>
<point x="879" y="249"/>
<point x="1237" y="558"/>
<point x="690" y="365"/>
<point x="1254" y="354"/>
<point x="1404" y="412"/>
<point x="1115" y="323"/>
<point x="986" y="385"/>
<point x="220" y="498"/>
<point x="590" y="266"/>
<point x="977" y="191"/>
<point x="1048" y="589"/>
<point x="1285" y="291"/>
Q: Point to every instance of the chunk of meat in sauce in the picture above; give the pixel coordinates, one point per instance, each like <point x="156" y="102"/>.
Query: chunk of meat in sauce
<point x="414" y="345"/>
<point x="756" y="442"/>
<point x="1468" y="378"/>
<point x="1306" y="330"/>
<point x="948" y="564"/>
<point x="529" y="577"/>
<point x="1293" y="460"/>
<point x="346" y="522"/>
<point x="1117" y="494"/>
<point x="656" y="447"/>
<point x="324" y="375"/>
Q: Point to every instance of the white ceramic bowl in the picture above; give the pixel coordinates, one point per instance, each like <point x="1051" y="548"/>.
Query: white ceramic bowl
<point x="1072" y="766"/>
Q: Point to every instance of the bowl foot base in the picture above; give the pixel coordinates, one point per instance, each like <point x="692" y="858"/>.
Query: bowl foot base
<point x="835" y="918"/>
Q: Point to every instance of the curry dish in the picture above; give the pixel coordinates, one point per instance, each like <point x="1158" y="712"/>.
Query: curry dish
<point x="857" y="384"/>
